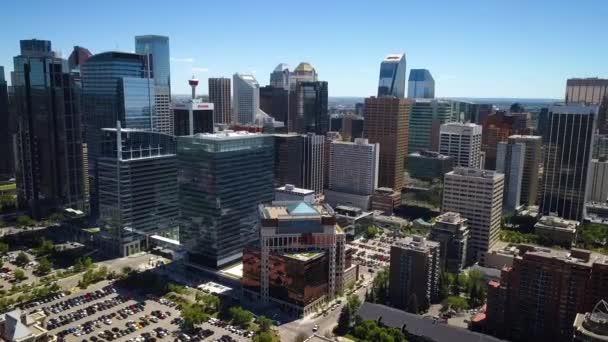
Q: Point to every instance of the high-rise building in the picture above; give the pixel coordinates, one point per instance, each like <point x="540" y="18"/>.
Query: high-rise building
<point x="7" y="129"/>
<point x="461" y="141"/>
<point x="477" y="196"/>
<point x="353" y="173"/>
<point x="288" y="149"/>
<point x="116" y="86"/>
<point x="137" y="189"/>
<point x="421" y="84"/>
<point x="219" y="95"/>
<point x="279" y="77"/>
<point x="532" y="164"/>
<point x="510" y="162"/>
<point x="386" y="123"/>
<point x="157" y="48"/>
<point x="497" y="128"/>
<point x="566" y="160"/>
<point x="414" y="273"/>
<point x="590" y="91"/>
<point x="350" y="126"/>
<point x="592" y="326"/>
<point x="600" y="146"/>
<point x="313" y="162"/>
<point x="246" y="92"/>
<point x="451" y="231"/>
<point x="289" y="192"/>
<point x="219" y="201"/>
<point x="275" y="102"/>
<point x="300" y="262"/>
<point x="329" y="138"/>
<point x="597" y="182"/>
<point x="428" y="165"/>
<point x="49" y="138"/>
<point x="426" y="118"/>
<point x="192" y="117"/>
<point x="538" y="298"/>
<point x="78" y="56"/>
<point x="308" y="108"/>
<point x="392" y="76"/>
<point x="304" y="72"/>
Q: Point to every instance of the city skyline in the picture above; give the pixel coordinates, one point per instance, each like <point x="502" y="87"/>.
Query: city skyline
<point x="530" y="60"/>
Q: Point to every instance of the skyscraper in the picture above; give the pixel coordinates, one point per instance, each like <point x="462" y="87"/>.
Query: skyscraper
<point x="426" y="118"/>
<point x="386" y="123"/>
<point x="158" y="48"/>
<point x="420" y="85"/>
<point x="274" y="101"/>
<point x="313" y="162"/>
<point x="567" y="155"/>
<point x="590" y="91"/>
<point x="7" y="129"/>
<point x="222" y="178"/>
<point x="477" y="196"/>
<point x="279" y="77"/>
<point x="392" y="76"/>
<point x="597" y="183"/>
<point x="137" y="189"/>
<point x="510" y="161"/>
<point x="308" y="108"/>
<point x="49" y="140"/>
<point x="304" y="72"/>
<point x="532" y="161"/>
<point x="451" y="231"/>
<point x="116" y="86"/>
<point x="353" y="173"/>
<point x="78" y="56"/>
<point x="462" y="141"/>
<point x="219" y="95"/>
<point x="414" y="273"/>
<point x="288" y="150"/>
<point x="246" y="92"/>
<point x="192" y="117"/>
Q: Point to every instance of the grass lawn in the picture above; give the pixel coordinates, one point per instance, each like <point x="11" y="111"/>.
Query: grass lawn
<point x="8" y="187"/>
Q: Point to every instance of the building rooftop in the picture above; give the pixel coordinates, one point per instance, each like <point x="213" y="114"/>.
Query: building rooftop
<point x="573" y="109"/>
<point x="416" y="243"/>
<point x="304" y="256"/>
<point x="292" y="189"/>
<point x="394" y="57"/>
<point x="451" y="218"/>
<point x="287" y="209"/>
<point x="474" y="172"/>
<point x="525" y="137"/>
<point x="557" y="223"/>
<point x="429" y="154"/>
<point x="227" y="135"/>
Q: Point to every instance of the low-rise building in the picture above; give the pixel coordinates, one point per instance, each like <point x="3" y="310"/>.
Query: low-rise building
<point x="289" y="192"/>
<point x="17" y="326"/>
<point x="429" y="165"/>
<point x="556" y="230"/>
<point x="386" y="200"/>
<point x="450" y="230"/>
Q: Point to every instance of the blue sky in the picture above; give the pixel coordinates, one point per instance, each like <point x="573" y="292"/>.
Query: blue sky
<point x="484" y="48"/>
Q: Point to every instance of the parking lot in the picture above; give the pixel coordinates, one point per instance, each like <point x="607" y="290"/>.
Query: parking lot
<point x="372" y="253"/>
<point x="105" y="313"/>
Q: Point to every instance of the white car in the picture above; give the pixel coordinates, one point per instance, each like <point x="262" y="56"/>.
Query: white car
<point x="315" y="328"/>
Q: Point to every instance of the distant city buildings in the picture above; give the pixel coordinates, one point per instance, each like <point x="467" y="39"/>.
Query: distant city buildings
<point x="428" y="165"/>
<point x="426" y="118"/>
<point x="353" y="173"/>
<point x="532" y="164"/>
<point x="567" y="155"/>
<point x="218" y="200"/>
<point x="461" y="141"/>
<point x="279" y="78"/>
<point x="386" y="123"/>
<point x="78" y="56"/>
<point x="301" y="260"/>
<point x="414" y="273"/>
<point x="539" y="296"/>
<point x="275" y="102"/>
<point x="451" y="231"/>
<point x="477" y="196"/>
<point x="219" y="95"/>
<point x="308" y="108"/>
<point x="392" y="76"/>
<point x="192" y="117"/>
<point x="510" y="160"/>
<point x="590" y="91"/>
<point x="420" y="85"/>
<point x="49" y="150"/>
<point x="246" y="98"/>
<point x="138" y="197"/>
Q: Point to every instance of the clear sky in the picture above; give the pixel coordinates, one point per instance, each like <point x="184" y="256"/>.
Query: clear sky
<point x="483" y="48"/>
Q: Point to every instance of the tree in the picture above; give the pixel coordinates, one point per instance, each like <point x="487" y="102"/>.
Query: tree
<point x="301" y="337"/>
<point x="3" y="247"/>
<point x="44" y="266"/>
<point x="22" y="259"/>
<point x="25" y="221"/>
<point x="240" y="316"/>
<point x="371" y="232"/>
<point x="45" y="247"/>
<point x="56" y="218"/>
<point x="19" y="275"/>
<point x="264" y="323"/>
<point x="344" y="321"/>
<point x="264" y="337"/>
<point x="192" y="314"/>
<point x="456" y="303"/>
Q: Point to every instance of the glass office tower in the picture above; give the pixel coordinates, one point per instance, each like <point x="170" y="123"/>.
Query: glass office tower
<point x="222" y="178"/>
<point x="137" y="188"/>
<point x="309" y="109"/>
<point x="421" y="84"/>
<point x="48" y="143"/>
<point x="7" y="128"/>
<point x="392" y="76"/>
<point x="116" y="86"/>
<point x="158" y="48"/>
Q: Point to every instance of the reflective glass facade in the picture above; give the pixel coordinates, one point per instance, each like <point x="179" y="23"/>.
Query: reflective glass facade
<point x="310" y="112"/>
<point x="392" y="76"/>
<point x="110" y="93"/>
<point x="222" y="180"/>
<point x="137" y="189"/>
<point x="49" y="140"/>
<point x="7" y="128"/>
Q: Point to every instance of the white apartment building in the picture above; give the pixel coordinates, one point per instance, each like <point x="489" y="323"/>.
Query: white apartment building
<point x="461" y="141"/>
<point x="246" y="98"/>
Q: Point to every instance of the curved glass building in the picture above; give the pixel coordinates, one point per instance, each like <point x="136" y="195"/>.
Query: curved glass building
<point x="392" y="76"/>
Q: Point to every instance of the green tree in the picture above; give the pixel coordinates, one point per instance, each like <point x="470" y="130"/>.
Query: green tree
<point x="7" y="202"/>
<point x="25" y="221"/>
<point x="264" y="337"/>
<point x="56" y="218"/>
<point x="347" y="315"/>
<point x="45" y="247"/>
<point x="19" y="275"/>
<point x="3" y="247"/>
<point x="193" y="315"/>
<point x="22" y="259"/>
<point x="264" y="323"/>
<point x="44" y="266"/>
<point x="240" y="316"/>
<point x="379" y="291"/>
<point x="456" y="303"/>
<point x="371" y="232"/>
